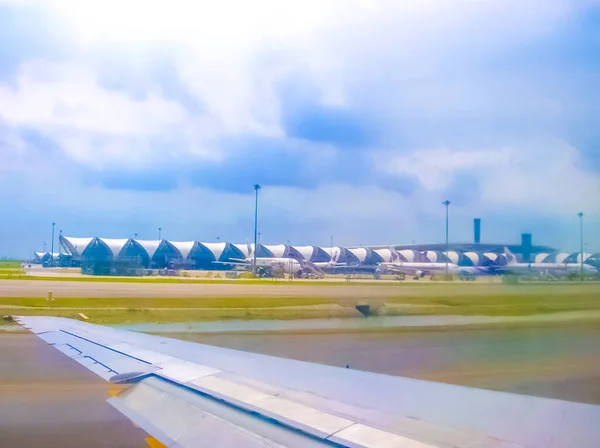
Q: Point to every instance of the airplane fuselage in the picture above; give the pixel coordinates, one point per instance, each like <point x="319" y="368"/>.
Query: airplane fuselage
<point x="419" y="268"/>
<point x="549" y="268"/>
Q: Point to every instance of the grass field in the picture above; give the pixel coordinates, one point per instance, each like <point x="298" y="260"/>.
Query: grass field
<point x="10" y="264"/>
<point x="10" y="269"/>
<point x="459" y="299"/>
<point x="171" y="280"/>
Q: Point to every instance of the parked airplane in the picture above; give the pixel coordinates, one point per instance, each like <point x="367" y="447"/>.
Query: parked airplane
<point x="544" y="269"/>
<point x="417" y="269"/>
<point x="188" y="395"/>
<point x="273" y="266"/>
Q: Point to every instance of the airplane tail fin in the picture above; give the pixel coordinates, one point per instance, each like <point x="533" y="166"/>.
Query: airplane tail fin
<point x="395" y="256"/>
<point x="510" y="257"/>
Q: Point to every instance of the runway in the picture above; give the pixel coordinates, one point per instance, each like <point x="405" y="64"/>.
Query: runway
<point x="35" y="288"/>
<point x="283" y="288"/>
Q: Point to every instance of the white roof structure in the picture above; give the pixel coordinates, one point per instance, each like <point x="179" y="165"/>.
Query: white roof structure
<point x="453" y="256"/>
<point x="361" y="253"/>
<point x="201" y="254"/>
<point x="385" y="254"/>
<point x="491" y="256"/>
<point x="184" y="247"/>
<point x="246" y="249"/>
<point x="409" y="254"/>
<point x="333" y="252"/>
<point x="474" y="257"/>
<point x="216" y="249"/>
<point x="114" y="245"/>
<point x="306" y="251"/>
<point x="75" y="246"/>
<point x="278" y="250"/>
<point x="150" y="246"/>
<point x="585" y="257"/>
<point x="432" y="256"/>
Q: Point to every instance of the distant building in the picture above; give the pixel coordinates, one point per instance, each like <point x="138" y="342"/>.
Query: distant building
<point x="116" y="256"/>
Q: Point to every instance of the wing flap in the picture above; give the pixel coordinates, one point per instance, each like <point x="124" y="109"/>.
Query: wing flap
<point x="180" y="417"/>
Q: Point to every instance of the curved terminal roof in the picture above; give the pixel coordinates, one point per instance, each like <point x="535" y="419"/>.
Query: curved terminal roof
<point x="409" y="255"/>
<point x="278" y="250"/>
<point x="334" y="253"/>
<point x="491" y="256"/>
<point x="114" y="245"/>
<point x="246" y="249"/>
<point x="453" y="256"/>
<point x="150" y="246"/>
<point x="576" y="257"/>
<point x="474" y="257"/>
<point x="435" y="256"/>
<point x="203" y="254"/>
<point x="217" y="249"/>
<point x="306" y="251"/>
<point x="74" y="246"/>
<point x="184" y="247"/>
<point x="360" y="253"/>
<point x="432" y="256"/>
<point x="384" y="254"/>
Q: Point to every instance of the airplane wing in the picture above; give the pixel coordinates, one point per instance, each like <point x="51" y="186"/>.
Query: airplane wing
<point x="233" y="263"/>
<point x="399" y="269"/>
<point x="191" y="395"/>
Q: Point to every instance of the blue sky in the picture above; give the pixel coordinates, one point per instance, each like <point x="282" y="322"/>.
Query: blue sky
<point x="358" y="118"/>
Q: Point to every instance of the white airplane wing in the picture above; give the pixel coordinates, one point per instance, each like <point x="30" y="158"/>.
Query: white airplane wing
<point x="234" y="262"/>
<point x="192" y="395"/>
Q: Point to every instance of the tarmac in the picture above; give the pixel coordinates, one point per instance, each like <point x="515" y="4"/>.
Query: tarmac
<point x="48" y="400"/>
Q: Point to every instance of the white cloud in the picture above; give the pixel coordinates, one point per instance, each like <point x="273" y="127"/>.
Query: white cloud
<point x="549" y="177"/>
<point x="66" y="96"/>
<point x="436" y="168"/>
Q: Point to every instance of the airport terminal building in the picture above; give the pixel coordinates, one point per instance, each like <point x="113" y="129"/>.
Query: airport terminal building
<point x="101" y="255"/>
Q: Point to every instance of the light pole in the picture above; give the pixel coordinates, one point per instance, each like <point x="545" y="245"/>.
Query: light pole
<point x="446" y="204"/>
<point x="159" y="234"/>
<point x="52" y="246"/>
<point x="580" y="214"/>
<point x="256" y="188"/>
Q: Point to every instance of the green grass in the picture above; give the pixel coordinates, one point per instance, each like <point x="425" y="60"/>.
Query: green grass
<point x="427" y="298"/>
<point x="4" y="264"/>
<point x="152" y="302"/>
<point x="10" y="272"/>
<point x="455" y="287"/>
<point x="10" y="268"/>
<point x="491" y="300"/>
<point x="170" y="280"/>
<point x="139" y="315"/>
